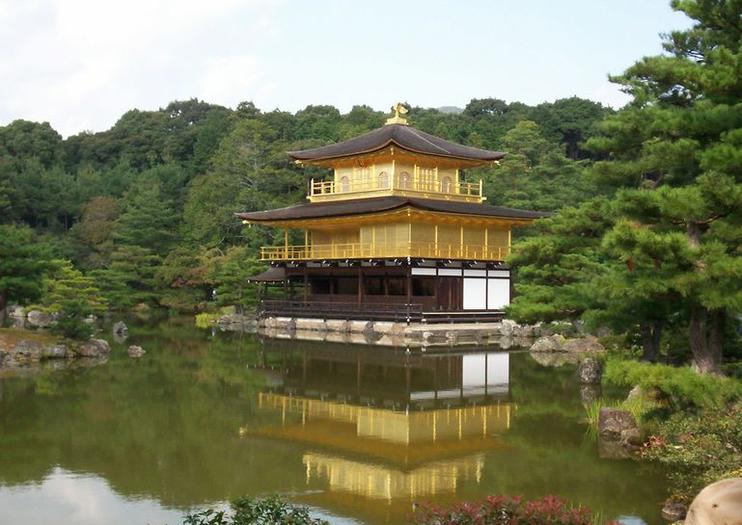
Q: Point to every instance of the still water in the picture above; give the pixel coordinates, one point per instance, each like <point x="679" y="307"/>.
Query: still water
<point x="357" y="433"/>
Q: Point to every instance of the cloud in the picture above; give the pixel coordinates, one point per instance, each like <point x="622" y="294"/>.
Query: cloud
<point x="81" y="63"/>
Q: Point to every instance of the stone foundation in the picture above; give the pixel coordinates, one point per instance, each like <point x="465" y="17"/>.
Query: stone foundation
<point x="505" y="334"/>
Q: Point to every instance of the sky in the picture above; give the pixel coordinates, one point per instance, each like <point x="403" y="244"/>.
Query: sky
<point x="80" y="64"/>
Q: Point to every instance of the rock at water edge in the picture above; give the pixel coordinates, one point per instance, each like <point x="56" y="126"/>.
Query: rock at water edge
<point x="549" y="343"/>
<point x="590" y="371"/>
<point x="39" y="319"/>
<point x="717" y="504"/>
<point x="136" y="351"/>
<point x="589" y="343"/>
<point x="94" y="348"/>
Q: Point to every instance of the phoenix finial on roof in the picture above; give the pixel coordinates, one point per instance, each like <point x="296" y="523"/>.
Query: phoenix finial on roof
<point x="399" y="110"/>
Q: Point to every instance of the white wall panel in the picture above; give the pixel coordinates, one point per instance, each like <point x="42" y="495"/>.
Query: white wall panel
<point x="475" y="294"/>
<point x="423" y="271"/>
<point x="498" y="294"/>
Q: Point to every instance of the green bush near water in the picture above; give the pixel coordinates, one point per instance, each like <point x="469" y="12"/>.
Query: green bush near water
<point x="681" y="388"/>
<point x="698" y="450"/>
<point x="695" y="419"/>
<point x="249" y="511"/>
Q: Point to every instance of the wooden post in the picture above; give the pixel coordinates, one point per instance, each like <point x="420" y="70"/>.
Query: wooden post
<point x="286" y="243"/>
<point x="306" y="284"/>
<point x="360" y="285"/>
<point x="409" y="285"/>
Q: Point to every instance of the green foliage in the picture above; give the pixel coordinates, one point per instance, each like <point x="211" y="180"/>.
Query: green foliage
<point x="93" y="231"/>
<point x="71" y="323"/>
<point x="184" y="278"/>
<point x="556" y="264"/>
<point x="230" y="273"/>
<point x="535" y="174"/>
<point x="698" y="450"/>
<point x="666" y="253"/>
<point x="148" y="219"/>
<point x="129" y="278"/>
<point x="65" y="285"/>
<point x="22" y="265"/>
<point x="680" y="387"/>
<point x="249" y="511"/>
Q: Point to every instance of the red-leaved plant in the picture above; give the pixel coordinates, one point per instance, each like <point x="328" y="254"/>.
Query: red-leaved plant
<point x="506" y="510"/>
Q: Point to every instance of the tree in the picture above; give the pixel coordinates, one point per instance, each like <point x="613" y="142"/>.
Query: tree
<point x="571" y="122"/>
<point x="64" y="284"/>
<point x="22" y="266"/>
<point x="185" y="278"/>
<point x="93" y="231"/>
<point x="230" y="274"/>
<point x="556" y="266"/>
<point x="148" y="219"/>
<point x="535" y="174"/>
<point x="677" y="148"/>
<point x="74" y="296"/>
<point x="129" y="279"/>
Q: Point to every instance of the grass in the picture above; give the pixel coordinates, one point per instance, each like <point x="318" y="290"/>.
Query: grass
<point x="12" y="336"/>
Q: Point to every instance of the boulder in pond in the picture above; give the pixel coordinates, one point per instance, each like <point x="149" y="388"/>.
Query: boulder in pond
<point x="16" y="315"/>
<point x="717" y="504"/>
<point x="508" y="327"/>
<point x="589" y="394"/>
<point x="39" y="319"/>
<point x="554" y="359"/>
<point x="55" y="351"/>
<point x="589" y="343"/>
<point x="617" y="425"/>
<point x="549" y="343"/>
<point x="120" y="329"/>
<point x="94" y="348"/>
<point x="136" y="351"/>
<point x="674" y="511"/>
<point x="26" y="351"/>
<point x="590" y="371"/>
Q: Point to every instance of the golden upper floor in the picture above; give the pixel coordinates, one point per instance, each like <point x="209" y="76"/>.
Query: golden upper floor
<point x="389" y="177"/>
<point x="396" y="159"/>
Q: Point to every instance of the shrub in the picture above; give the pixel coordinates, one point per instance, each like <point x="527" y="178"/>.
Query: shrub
<point x="681" y="388"/>
<point x="71" y="322"/>
<point x="249" y="511"/>
<point x="505" y="510"/>
<point x="698" y="450"/>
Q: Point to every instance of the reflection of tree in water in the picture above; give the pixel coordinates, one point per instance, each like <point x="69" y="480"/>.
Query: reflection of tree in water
<point x="165" y="426"/>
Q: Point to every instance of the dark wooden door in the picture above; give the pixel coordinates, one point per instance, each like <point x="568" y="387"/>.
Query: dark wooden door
<point x="450" y="294"/>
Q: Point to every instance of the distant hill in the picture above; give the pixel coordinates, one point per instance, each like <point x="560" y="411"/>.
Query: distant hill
<point x="450" y="109"/>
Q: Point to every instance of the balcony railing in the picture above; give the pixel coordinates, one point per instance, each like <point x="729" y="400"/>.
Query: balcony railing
<point x="426" y="250"/>
<point x="424" y="187"/>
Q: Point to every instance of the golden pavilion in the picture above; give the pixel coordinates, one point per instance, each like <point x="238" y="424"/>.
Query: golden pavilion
<point x="395" y="233"/>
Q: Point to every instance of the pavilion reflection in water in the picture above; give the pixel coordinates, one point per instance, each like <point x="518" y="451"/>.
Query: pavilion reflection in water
<point x="384" y="424"/>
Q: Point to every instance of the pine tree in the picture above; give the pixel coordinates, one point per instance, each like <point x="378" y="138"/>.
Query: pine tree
<point x="72" y="295"/>
<point x="22" y="266"/>
<point x="558" y="263"/>
<point x="230" y="274"/>
<point x="64" y="284"/>
<point x="148" y="219"/>
<point x="677" y="146"/>
<point x="129" y="279"/>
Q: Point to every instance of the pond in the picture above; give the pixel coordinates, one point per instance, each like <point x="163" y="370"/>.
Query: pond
<point x="358" y="433"/>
